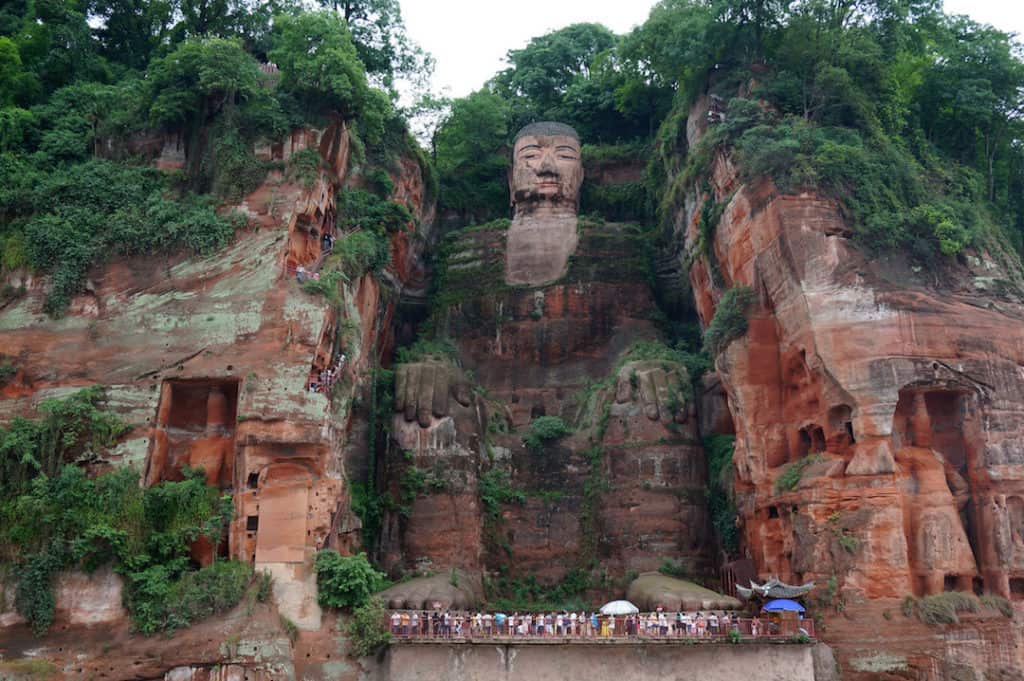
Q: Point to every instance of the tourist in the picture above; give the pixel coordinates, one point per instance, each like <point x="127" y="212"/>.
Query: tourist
<point x="478" y="623"/>
<point x="755" y="627"/>
<point x="488" y="623"/>
<point x="300" y="274"/>
<point x="572" y="624"/>
<point x="701" y="625"/>
<point x="593" y="625"/>
<point x="528" y="623"/>
<point x="396" y="622"/>
<point x="446" y="624"/>
<point x="415" y="620"/>
<point x="724" y="624"/>
<point x="611" y="626"/>
<point x="662" y="624"/>
<point x="713" y="624"/>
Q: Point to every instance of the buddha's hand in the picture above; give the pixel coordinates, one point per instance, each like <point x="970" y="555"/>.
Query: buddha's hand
<point x="424" y="389"/>
<point x="659" y="386"/>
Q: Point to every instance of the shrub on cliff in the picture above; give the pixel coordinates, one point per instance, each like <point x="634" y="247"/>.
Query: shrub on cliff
<point x="54" y="517"/>
<point x="367" y="629"/>
<point x="729" y="321"/>
<point x="543" y="430"/>
<point x="943" y="608"/>
<point x="345" y="581"/>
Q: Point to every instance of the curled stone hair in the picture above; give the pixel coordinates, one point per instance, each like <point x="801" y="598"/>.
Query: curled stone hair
<point x="547" y="129"/>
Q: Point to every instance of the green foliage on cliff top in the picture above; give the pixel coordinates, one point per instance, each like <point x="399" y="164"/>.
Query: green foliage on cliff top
<point x="53" y="517"/>
<point x="905" y="114"/>
<point x="78" y="125"/>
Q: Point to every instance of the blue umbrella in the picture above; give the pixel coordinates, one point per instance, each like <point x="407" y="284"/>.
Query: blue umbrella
<point x="500" y="618"/>
<point x="783" y="604"/>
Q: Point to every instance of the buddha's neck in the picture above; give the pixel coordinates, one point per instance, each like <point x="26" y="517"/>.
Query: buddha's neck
<point x="545" y="210"/>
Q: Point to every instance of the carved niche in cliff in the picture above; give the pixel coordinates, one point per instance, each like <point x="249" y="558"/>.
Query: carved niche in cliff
<point x="196" y="428"/>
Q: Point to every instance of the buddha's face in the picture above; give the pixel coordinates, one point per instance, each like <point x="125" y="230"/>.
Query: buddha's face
<point x="546" y="172"/>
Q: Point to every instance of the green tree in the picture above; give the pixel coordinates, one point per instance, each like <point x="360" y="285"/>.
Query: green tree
<point x="319" y="65"/>
<point x="472" y="156"/>
<point x="381" y="40"/>
<point x="201" y="79"/>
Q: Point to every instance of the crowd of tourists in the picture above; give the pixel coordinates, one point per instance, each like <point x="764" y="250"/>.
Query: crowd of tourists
<point x="326" y="379"/>
<point x="701" y="624"/>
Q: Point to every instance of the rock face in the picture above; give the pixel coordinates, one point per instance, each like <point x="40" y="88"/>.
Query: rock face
<point x="896" y="393"/>
<point x="210" y="362"/>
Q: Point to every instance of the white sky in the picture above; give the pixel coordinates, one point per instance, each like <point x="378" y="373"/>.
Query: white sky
<point x="469" y="38"/>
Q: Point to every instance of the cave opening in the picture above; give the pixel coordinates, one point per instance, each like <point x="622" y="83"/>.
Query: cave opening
<point x="1017" y="588"/>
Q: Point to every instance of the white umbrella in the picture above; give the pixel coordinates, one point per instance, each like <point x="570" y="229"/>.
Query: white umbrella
<point x="619" y="608"/>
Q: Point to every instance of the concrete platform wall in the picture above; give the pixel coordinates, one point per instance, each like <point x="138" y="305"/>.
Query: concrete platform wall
<point x="598" y="662"/>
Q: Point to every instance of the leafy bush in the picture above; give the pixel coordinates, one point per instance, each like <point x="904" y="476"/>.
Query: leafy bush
<point x="367" y="629"/>
<point x="304" y="166"/>
<point x="70" y="429"/>
<point x="345" y="581"/>
<point x="943" y="608"/>
<point x="54" y="517"/>
<point x="362" y="252"/>
<point x="159" y="601"/>
<point x="496" y="489"/>
<point x="729" y="321"/>
<point x="107" y="209"/>
<point x="360" y="209"/>
<point x="544" y="429"/>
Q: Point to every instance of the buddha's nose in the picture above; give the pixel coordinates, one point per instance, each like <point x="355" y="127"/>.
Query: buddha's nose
<point x="547" y="166"/>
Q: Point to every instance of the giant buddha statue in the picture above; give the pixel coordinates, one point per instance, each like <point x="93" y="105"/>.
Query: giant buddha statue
<point x="544" y="314"/>
<point x="544" y="184"/>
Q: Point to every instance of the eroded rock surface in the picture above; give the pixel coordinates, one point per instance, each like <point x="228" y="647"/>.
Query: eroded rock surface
<point x="897" y="394"/>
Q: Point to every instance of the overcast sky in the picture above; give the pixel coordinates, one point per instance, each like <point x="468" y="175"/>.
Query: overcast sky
<point x="469" y="38"/>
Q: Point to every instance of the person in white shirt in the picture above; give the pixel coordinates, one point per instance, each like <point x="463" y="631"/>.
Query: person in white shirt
<point x="572" y="624"/>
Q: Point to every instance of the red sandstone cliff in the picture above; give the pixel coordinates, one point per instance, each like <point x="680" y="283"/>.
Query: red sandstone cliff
<point x="907" y="387"/>
<point x="209" y="362"/>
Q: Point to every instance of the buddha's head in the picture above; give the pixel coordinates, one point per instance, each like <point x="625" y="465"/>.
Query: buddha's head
<point x="546" y="169"/>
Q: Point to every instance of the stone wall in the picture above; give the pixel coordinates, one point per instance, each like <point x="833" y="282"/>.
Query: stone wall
<point x="599" y="662"/>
